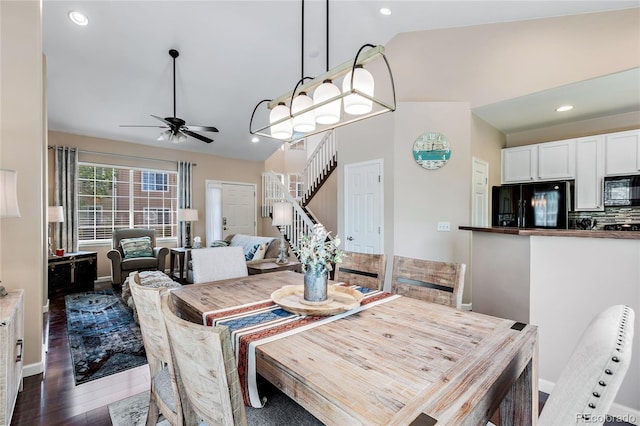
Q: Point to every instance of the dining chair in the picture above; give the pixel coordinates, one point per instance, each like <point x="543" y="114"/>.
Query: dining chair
<point x="210" y="382"/>
<point x="164" y="394"/>
<point x="593" y="374"/>
<point x="432" y="281"/>
<point x="363" y="269"/>
<point x="218" y="263"/>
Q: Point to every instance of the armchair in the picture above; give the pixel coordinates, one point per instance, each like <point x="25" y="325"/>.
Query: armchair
<point x="121" y="266"/>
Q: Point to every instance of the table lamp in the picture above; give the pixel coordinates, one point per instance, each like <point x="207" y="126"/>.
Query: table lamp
<point x="282" y="216"/>
<point x="187" y="216"/>
<point x="55" y="214"/>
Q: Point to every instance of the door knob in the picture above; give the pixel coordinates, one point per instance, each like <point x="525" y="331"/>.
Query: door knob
<point x="350" y="238"/>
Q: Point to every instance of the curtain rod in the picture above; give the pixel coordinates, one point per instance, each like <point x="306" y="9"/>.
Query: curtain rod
<point x="122" y="156"/>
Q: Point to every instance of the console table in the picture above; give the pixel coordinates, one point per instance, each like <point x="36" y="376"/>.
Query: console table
<point x="263" y="267"/>
<point x="72" y="272"/>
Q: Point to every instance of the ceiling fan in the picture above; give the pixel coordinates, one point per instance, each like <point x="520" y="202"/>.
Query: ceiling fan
<point x="177" y="128"/>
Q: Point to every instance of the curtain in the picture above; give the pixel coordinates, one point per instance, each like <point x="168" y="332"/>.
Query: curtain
<point x="66" y="195"/>
<point x="185" y="177"/>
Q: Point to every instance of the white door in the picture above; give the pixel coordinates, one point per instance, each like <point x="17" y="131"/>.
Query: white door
<point x="231" y="209"/>
<point x="480" y="198"/>
<point x="364" y="214"/>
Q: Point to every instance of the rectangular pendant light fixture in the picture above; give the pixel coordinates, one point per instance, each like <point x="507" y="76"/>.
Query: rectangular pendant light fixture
<point x="340" y="96"/>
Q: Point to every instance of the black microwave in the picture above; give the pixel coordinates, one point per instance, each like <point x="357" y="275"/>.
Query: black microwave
<point x="622" y="191"/>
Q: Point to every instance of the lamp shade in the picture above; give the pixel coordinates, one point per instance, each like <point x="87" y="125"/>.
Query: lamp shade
<point x="330" y="112"/>
<point x="355" y="104"/>
<point x="280" y="130"/>
<point x="9" y="195"/>
<point x="187" y="215"/>
<point x="305" y="122"/>
<point x="55" y="214"/>
<point x="282" y="214"/>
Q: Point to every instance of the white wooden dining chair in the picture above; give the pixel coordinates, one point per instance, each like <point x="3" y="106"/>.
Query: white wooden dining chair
<point x="432" y="281"/>
<point x="363" y="269"/>
<point x="218" y="263"/>
<point x="164" y="396"/>
<point x="590" y="381"/>
<point x="210" y="382"/>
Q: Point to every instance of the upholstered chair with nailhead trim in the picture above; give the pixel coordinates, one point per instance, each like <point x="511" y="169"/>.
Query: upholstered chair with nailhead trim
<point x="589" y="383"/>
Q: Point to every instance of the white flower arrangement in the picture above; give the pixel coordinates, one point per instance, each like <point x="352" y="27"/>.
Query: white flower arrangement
<point x="316" y="252"/>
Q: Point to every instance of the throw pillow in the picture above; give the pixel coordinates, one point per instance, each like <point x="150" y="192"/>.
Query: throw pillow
<point x="219" y="243"/>
<point x="250" y="255"/>
<point x="259" y="254"/>
<point x="136" y="247"/>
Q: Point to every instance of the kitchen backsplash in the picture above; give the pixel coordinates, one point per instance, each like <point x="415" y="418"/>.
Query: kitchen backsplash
<point x="609" y="216"/>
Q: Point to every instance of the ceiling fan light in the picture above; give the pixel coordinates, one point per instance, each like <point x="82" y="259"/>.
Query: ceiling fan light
<point x="355" y="104"/>
<point x="281" y="130"/>
<point x="164" y="136"/>
<point x="181" y="137"/>
<point x="328" y="113"/>
<point x="305" y="122"/>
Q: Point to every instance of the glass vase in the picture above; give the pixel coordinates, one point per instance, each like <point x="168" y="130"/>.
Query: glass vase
<point x="315" y="284"/>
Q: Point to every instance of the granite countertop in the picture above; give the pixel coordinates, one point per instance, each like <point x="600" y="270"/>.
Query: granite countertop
<point x="625" y="235"/>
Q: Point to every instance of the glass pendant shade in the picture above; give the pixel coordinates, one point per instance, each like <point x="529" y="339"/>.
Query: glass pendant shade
<point x="328" y="113"/>
<point x="281" y="130"/>
<point x="306" y="122"/>
<point x="164" y="136"/>
<point x="355" y="104"/>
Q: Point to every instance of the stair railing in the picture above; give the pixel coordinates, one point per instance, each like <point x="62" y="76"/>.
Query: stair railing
<point x="319" y="164"/>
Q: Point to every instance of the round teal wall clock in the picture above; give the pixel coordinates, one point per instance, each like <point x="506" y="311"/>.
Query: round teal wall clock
<point x="431" y="150"/>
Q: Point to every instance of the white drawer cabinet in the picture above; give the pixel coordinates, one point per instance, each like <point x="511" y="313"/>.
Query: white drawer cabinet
<point x="11" y="351"/>
<point x="622" y="153"/>
<point x="589" y="173"/>
<point x="519" y="164"/>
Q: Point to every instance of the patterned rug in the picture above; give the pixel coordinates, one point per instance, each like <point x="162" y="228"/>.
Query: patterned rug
<point x="103" y="337"/>
<point x="132" y="411"/>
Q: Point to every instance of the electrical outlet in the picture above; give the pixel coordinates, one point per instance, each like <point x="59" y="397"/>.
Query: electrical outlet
<point x="444" y="226"/>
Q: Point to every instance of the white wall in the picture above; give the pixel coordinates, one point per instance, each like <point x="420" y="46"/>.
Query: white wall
<point x="22" y="240"/>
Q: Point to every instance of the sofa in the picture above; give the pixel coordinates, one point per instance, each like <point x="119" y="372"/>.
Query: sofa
<point x="256" y="249"/>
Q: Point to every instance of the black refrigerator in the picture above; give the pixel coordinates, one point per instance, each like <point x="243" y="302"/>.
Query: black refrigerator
<point x="532" y="205"/>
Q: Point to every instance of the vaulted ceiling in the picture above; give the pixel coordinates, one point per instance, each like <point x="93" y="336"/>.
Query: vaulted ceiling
<point x="117" y="71"/>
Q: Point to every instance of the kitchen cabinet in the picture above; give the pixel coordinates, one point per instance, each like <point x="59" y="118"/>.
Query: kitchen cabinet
<point x="519" y="164"/>
<point x="622" y="153"/>
<point x="11" y="351"/>
<point x="590" y="159"/>
<point x="539" y="162"/>
<point x="556" y="160"/>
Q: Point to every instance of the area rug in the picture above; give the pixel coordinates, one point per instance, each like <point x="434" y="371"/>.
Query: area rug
<point x="103" y="337"/>
<point x="132" y="411"/>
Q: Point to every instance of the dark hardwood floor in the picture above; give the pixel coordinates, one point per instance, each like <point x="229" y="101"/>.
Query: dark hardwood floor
<point x="53" y="398"/>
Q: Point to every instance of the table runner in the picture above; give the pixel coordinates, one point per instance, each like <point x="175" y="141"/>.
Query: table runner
<point x="264" y="321"/>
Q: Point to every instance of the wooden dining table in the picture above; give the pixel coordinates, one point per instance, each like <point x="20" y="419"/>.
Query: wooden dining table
<point x="401" y="362"/>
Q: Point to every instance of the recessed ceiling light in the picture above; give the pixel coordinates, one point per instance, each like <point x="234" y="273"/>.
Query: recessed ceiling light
<point x="385" y="11"/>
<point x="255" y="139"/>
<point x="78" y="18"/>
<point x="564" y="108"/>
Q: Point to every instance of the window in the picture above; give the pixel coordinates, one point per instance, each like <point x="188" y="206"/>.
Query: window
<point x="154" y="181"/>
<point x="111" y="197"/>
<point x="295" y="185"/>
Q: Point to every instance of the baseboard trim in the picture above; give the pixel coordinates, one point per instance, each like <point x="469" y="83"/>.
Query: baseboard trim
<point x="45" y="308"/>
<point x="620" y="411"/>
<point x="466" y="307"/>
<point x="32" y="369"/>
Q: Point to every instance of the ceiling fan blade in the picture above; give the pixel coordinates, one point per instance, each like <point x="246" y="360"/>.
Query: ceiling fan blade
<point x="163" y="120"/>
<point x="203" y="128"/>
<point x="142" y="125"/>
<point x="197" y="136"/>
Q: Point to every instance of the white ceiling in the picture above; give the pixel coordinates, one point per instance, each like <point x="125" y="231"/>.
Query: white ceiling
<point x="117" y="70"/>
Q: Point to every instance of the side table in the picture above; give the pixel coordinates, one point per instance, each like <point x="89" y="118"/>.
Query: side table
<point x="181" y="254"/>
<point x="72" y="272"/>
<point x="271" y="266"/>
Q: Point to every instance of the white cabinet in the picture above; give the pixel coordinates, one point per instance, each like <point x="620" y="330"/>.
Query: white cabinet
<point x="544" y="161"/>
<point x="519" y="164"/>
<point x="556" y="160"/>
<point x="11" y="350"/>
<point x="622" y="153"/>
<point x="589" y="173"/>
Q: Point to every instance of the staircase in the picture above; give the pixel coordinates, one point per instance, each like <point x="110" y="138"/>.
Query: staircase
<point x="322" y="162"/>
